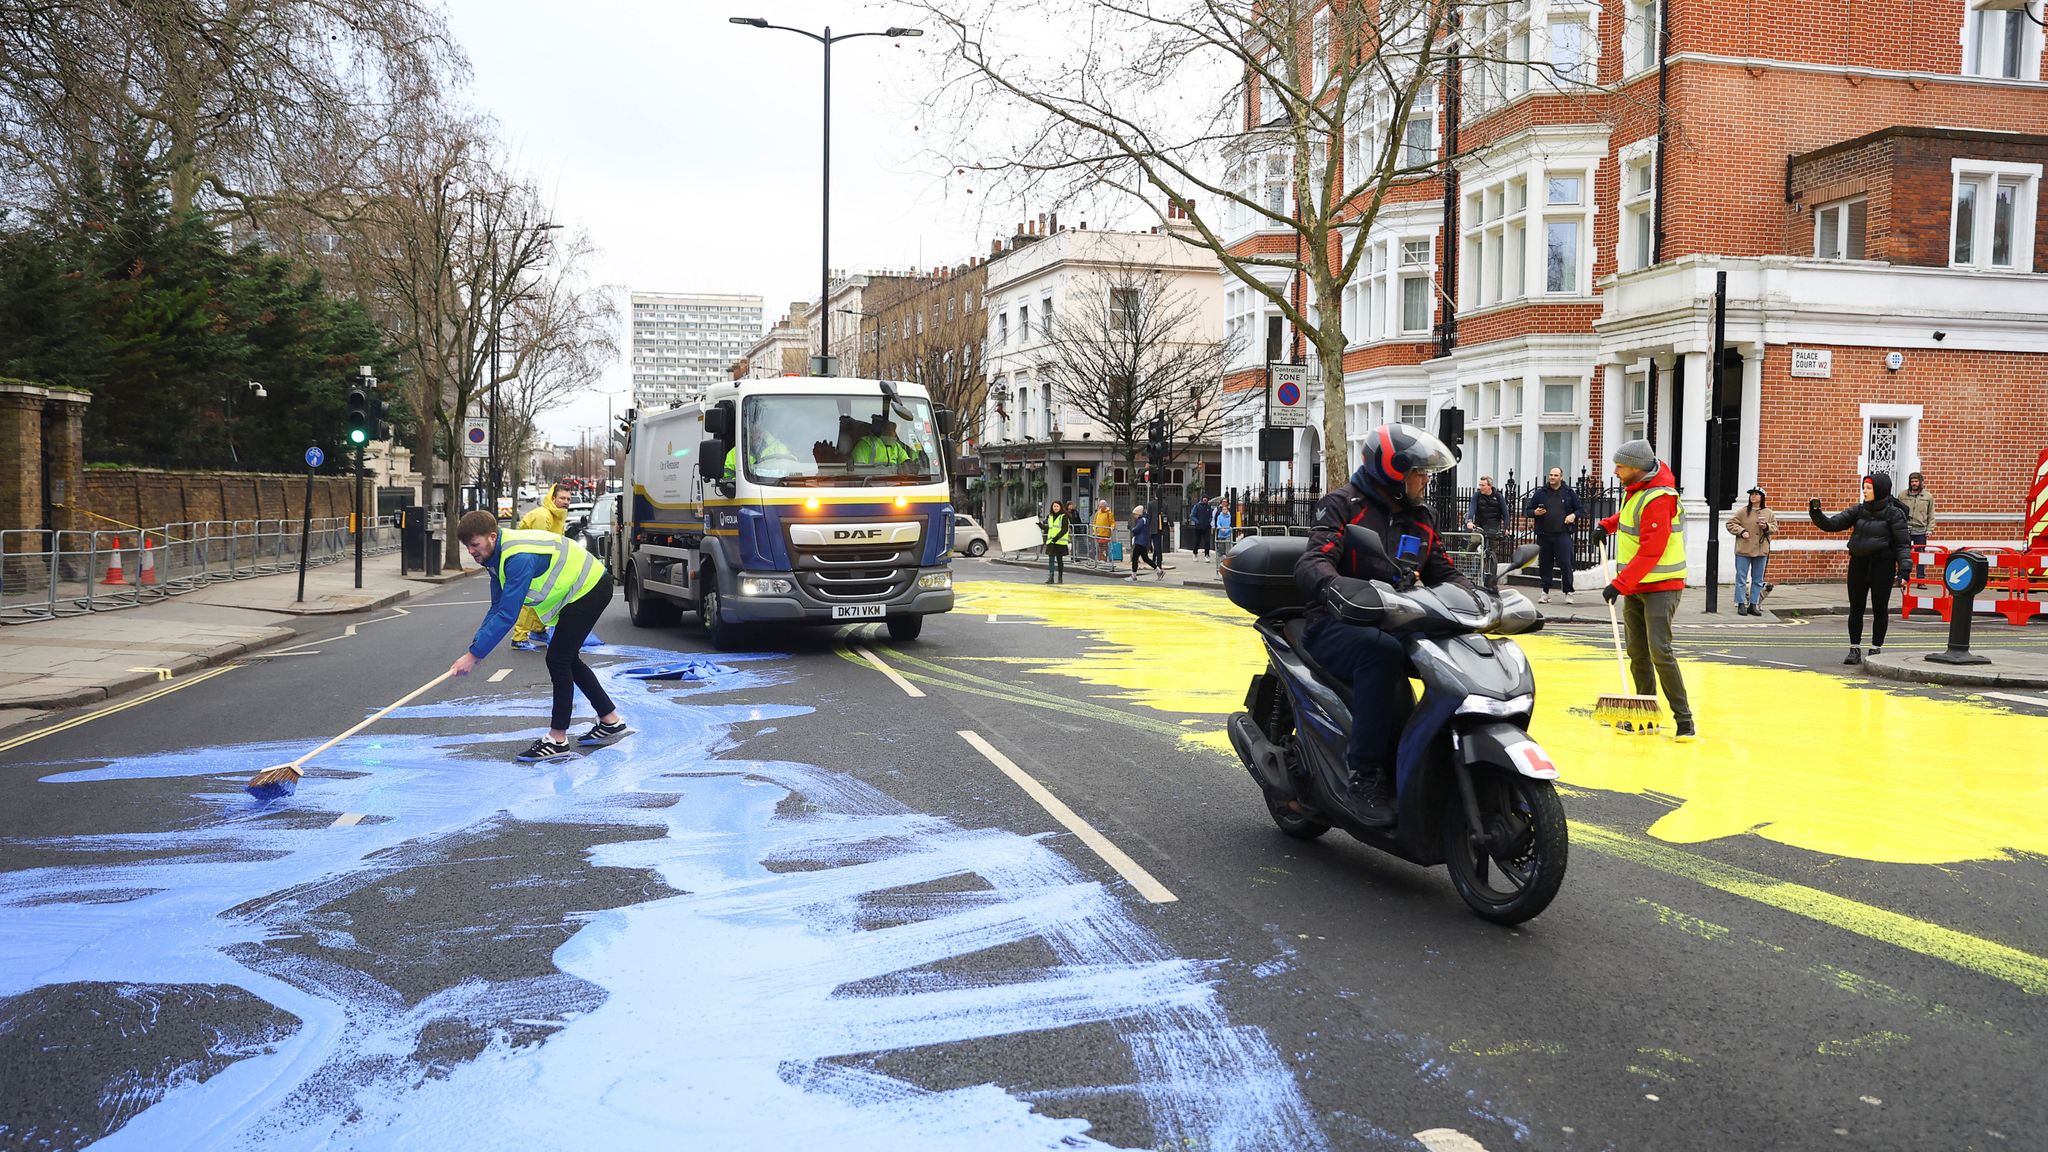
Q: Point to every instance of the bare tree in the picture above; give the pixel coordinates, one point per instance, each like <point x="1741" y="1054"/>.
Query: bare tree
<point x="1135" y="351"/>
<point x="246" y="105"/>
<point x="564" y="334"/>
<point x="1187" y="106"/>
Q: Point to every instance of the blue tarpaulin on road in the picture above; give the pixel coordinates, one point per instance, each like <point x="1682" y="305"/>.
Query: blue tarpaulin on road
<point x="686" y="670"/>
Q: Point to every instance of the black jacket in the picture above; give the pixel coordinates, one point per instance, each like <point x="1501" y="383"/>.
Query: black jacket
<point x="1558" y="503"/>
<point x="1489" y="510"/>
<point x="1876" y="527"/>
<point x="1328" y="556"/>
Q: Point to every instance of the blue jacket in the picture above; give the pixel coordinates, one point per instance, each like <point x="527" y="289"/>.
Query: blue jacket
<point x="1141" y="531"/>
<point x="520" y="573"/>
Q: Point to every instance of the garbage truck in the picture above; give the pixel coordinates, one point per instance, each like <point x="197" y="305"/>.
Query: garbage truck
<point x="788" y="500"/>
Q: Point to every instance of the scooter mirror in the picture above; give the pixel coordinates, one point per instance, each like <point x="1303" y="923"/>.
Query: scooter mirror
<point x="1523" y="557"/>
<point x="1366" y="540"/>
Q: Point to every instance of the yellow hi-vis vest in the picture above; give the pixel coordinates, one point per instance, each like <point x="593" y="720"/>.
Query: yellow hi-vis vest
<point x="1671" y="565"/>
<point x="875" y="450"/>
<point x="571" y="571"/>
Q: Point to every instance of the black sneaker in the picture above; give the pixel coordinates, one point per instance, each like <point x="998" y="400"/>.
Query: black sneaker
<point x="1876" y="651"/>
<point x="601" y="734"/>
<point x="1372" y="798"/>
<point x="1685" y="733"/>
<point x="1855" y="656"/>
<point x="545" y="749"/>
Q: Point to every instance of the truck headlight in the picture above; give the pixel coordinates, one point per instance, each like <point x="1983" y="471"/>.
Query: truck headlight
<point x="765" y="586"/>
<point x="932" y="580"/>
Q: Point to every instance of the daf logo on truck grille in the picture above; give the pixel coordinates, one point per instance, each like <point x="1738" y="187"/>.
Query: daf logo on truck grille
<point x="827" y="535"/>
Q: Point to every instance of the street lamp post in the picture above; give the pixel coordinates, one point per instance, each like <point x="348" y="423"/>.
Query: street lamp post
<point x="827" y="40"/>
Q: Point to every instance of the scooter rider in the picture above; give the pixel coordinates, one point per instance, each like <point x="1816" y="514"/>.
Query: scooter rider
<point x="1385" y="496"/>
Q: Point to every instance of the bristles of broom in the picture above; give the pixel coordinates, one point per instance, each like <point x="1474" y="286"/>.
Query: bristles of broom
<point x="1638" y="712"/>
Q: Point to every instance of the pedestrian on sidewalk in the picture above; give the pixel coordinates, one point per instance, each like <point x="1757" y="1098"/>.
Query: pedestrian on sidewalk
<point x="1141" y="542"/>
<point x="1105" y="530"/>
<point x="1058" y="533"/>
<point x="1880" y="553"/>
<point x="568" y="589"/>
<point x="1649" y="542"/>
<point x="550" y="515"/>
<point x="1919" y="504"/>
<point x="1555" y="509"/>
<point x="1201" y="520"/>
<point x="1751" y="525"/>
<point x="1223" y="525"/>
<point x="1489" y="517"/>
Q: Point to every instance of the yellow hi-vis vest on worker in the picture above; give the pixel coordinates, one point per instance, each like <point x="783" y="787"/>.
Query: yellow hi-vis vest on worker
<point x="571" y="570"/>
<point x="1671" y="565"/>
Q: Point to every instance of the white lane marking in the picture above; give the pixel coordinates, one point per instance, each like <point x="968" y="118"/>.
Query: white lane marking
<point x="1448" y="1140"/>
<point x="1779" y="663"/>
<point x="909" y="689"/>
<point x="2011" y="697"/>
<point x="500" y="674"/>
<point x="347" y="819"/>
<point x="1147" y="886"/>
<point x="349" y="631"/>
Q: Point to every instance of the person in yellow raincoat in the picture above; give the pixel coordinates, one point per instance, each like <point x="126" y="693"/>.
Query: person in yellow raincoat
<point x="550" y="515"/>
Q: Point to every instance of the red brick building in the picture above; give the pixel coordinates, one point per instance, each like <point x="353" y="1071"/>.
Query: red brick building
<point x="1868" y="179"/>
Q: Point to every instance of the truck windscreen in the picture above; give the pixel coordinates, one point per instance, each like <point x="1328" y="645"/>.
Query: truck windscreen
<point x="806" y="440"/>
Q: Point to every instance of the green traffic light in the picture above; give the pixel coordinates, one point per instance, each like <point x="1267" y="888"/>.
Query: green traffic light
<point x="358" y="436"/>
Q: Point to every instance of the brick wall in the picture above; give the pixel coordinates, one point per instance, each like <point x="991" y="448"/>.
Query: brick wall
<point x="149" y="497"/>
<point x="1907" y="177"/>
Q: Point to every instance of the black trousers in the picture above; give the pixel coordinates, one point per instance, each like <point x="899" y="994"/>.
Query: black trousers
<point x="1555" y="551"/>
<point x="1374" y="662"/>
<point x="565" y="656"/>
<point x="1870" y="577"/>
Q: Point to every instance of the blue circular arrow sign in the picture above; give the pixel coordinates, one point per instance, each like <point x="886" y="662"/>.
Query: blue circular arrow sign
<point x="315" y="457"/>
<point x="1958" y="573"/>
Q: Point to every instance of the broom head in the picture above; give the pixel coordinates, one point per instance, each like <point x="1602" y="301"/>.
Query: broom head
<point x="272" y="783"/>
<point x="1639" y="712"/>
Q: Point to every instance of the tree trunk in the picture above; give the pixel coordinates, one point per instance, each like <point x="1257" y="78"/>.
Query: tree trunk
<point x="1336" y="442"/>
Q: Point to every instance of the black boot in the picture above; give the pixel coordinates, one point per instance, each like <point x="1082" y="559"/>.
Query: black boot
<point x="1855" y="656"/>
<point x="1372" y="798"/>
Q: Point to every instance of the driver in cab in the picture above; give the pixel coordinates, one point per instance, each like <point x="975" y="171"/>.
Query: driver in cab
<point x="1385" y="497"/>
<point x="881" y="446"/>
<point x="761" y="445"/>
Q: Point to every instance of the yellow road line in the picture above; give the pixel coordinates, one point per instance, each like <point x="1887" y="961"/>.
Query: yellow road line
<point x="145" y="698"/>
<point x="1146" y="885"/>
<point x="2023" y="970"/>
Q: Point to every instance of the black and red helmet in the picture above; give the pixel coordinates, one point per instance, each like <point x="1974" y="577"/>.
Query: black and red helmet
<point x="1392" y="451"/>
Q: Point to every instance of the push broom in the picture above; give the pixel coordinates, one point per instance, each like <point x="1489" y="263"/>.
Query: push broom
<point x="283" y="780"/>
<point x="1639" y="712"/>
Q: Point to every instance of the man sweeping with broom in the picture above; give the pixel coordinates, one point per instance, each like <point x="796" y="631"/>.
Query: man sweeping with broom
<point x="1650" y="544"/>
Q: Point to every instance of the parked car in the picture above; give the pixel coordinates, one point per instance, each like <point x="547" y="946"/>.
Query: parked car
<point x="578" y="517"/>
<point x="968" y="536"/>
<point x="598" y="532"/>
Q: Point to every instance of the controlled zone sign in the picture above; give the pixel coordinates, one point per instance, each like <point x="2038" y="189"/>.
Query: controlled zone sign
<point x="476" y="439"/>
<point x="1287" y="396"/>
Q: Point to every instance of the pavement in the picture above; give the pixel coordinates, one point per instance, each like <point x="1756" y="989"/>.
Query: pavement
<point x="2003" y="668"/>
<point x="1002" y="888"/>
<point x="75" y="660"/>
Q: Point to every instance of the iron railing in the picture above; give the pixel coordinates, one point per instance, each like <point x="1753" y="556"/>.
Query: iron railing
<point x="47" y="574"/>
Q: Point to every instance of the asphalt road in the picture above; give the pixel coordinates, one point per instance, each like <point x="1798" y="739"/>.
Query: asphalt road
<point x="800" y="905"/>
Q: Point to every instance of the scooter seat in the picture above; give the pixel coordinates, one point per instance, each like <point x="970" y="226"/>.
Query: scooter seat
<point x="1296" y="631"/>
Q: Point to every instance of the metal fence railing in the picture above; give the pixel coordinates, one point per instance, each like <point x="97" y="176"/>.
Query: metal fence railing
<point x="47" y="574"/>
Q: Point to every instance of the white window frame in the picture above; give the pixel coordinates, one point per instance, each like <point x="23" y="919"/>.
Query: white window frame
<point x="1633" y="247"/>
<point x="1580" y="214"/>
<point x="1587" y="71"/>
<point x="1319" y="50"/>
<point x="1908" y="416"/>
<point x="1987" y="174"/>
<point x="1405" y="272"/>
<point x="1641" y="37"/>
<point x="1840" y="227"/>
<point x="1122" y="319"/>
<point x="2030" y="42"/>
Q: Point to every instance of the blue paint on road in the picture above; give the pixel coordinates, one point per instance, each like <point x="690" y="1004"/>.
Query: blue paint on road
<point x="799" y="934"/>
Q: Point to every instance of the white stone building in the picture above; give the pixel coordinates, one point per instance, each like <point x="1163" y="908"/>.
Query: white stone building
<point x="687" y="340"/>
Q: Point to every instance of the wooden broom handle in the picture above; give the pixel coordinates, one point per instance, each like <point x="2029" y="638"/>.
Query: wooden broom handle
<point x="372" y="718"/>
<point x="1614" y="621"/>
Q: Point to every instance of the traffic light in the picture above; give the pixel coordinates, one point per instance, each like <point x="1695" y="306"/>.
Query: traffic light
<point x="378" y="416"/>
<point x="1155" y="443"/>
<point x="359" y="418"/>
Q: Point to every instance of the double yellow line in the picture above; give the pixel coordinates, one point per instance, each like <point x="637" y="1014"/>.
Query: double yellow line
<point x="146" y="697"/>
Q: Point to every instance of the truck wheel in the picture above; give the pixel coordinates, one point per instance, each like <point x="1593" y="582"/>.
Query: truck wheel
<point x="646" y="611"/>
<point x="724" y="635"/>
<point x="905" y="628"/>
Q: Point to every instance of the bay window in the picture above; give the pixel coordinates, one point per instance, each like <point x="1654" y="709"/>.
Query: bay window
<point x="1991" y="218"/>
<point x="1838" y="229"/>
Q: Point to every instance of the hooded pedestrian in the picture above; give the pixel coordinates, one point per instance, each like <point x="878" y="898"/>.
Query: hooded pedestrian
<point x="1650" y="543"/>
<point x="1880" y="554"/>
<point x="1142" y="537"/>
<point x="1919" y="504"/>
<point x="1752" y="526"/>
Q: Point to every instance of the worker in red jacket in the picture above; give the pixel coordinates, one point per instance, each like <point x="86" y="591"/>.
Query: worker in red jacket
<point x="1650" y="546"/>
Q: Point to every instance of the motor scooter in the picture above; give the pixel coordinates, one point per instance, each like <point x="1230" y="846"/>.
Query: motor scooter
<point x="1473" y="792"/>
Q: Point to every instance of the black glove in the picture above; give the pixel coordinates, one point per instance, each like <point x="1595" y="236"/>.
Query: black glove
<point x="1610" y="593"/>
<point x="1905" y="574"/>
<point x="1813" y="506"/>
<point x="1353" y="600"/>
<point x="1599" y="535"/>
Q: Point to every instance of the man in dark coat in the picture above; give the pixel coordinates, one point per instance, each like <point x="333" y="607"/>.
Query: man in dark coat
<point x="1489" y="518"/>
<point x="1385" y="496"/>
<point x="1554" y="508"/>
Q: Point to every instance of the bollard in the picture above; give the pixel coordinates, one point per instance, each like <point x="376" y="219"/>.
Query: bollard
<point x="1965" y="576"/>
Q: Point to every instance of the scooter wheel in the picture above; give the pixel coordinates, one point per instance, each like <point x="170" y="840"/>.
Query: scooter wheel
<point x="1299" y="825"/>
<point x="1514" y="867"/>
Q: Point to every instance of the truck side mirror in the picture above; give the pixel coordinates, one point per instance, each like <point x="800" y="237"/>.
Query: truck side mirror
<point x="711" y="457"/>
<point x="718" y="422"/>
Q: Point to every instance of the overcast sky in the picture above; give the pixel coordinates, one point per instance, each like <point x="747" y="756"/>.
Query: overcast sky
<point x="688" y="145"/>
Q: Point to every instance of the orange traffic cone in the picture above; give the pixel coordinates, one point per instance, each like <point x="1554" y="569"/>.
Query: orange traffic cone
<point x="146" y="570"/>
<point x="114" y="574"/>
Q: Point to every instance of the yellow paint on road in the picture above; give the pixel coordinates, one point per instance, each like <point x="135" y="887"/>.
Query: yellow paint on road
<point x="1869" y="1042"/>
<point x="1806" y="759"/>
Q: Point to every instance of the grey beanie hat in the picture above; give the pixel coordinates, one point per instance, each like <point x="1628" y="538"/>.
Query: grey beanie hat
<point x="1637" y="454"/>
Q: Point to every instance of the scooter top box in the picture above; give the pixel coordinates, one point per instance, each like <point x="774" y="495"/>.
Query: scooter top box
<point x="1258" y="574"/>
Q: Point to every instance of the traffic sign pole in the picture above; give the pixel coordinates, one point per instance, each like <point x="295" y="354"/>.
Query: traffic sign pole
<point x="362" y="522"/>
<point x="313" y="458"/>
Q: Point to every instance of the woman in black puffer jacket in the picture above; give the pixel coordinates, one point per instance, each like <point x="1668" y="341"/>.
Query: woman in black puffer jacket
<point x="1880" y="553"/>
